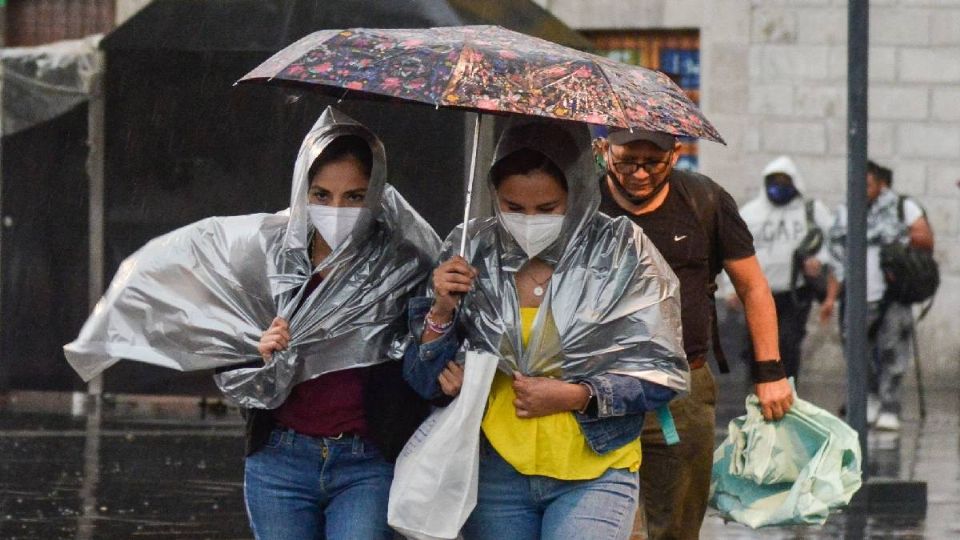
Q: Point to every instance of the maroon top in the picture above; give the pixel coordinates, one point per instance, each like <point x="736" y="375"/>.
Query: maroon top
<point x="328" y="405"/>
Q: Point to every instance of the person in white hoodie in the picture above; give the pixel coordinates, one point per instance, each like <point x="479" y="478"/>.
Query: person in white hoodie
<point x="788" y="233"/>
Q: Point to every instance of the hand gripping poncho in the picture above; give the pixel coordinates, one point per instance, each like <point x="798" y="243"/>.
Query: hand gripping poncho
<point x="200" y="297"/>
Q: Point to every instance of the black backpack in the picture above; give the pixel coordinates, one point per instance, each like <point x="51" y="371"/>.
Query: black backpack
<point x="814" y="288"/>
<point x="912" y="276"/>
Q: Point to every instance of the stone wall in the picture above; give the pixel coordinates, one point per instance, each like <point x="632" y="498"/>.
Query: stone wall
<point x="128" y="8"/>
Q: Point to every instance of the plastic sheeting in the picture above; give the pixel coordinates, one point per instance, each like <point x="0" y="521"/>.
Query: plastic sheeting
<point x="612" y="304"/>
<point x="201" y="296"/>
<point x="793" y="471"/>
<point x="42" y="83"/>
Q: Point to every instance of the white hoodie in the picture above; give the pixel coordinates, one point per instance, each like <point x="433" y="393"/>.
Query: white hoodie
<point x="777" y="230"/>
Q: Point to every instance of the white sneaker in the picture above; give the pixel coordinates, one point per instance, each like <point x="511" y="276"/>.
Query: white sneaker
<point x="873" y="409"/>
<point x="884" y="440"/>
<point x="888" y="421"/>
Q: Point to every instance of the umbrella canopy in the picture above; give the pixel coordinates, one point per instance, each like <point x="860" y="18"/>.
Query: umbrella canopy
<point x="486" y="69"/>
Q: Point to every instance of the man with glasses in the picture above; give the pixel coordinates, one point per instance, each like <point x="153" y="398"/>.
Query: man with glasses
<point x="696" y="226"/>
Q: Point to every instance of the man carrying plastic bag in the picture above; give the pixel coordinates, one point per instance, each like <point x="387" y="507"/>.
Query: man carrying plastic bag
<point x="789" y="472"/>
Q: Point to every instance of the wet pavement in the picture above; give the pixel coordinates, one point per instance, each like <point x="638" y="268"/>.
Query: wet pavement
<point x="146" y="471"/>
<point x="156" y="468"/>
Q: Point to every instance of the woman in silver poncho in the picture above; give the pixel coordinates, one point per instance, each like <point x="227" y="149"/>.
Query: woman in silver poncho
<point x="319" y="464"/>
<point x="584" y="315"/>
<point x="337" y="268"/>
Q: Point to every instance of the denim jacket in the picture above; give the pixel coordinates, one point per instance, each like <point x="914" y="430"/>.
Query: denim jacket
<point x="621" y="400"/>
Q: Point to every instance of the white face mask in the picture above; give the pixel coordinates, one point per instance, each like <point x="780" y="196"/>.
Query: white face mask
<point x="533" y="233"/>
<point x="333" y="223"/>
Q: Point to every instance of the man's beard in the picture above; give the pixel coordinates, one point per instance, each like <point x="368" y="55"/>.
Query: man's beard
<point x="636" y="199"/>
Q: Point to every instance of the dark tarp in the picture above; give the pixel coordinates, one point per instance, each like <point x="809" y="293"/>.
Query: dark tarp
<point x="44" y="286"/>
<point x="270" y="25"/>
<point x="44" y="197"/>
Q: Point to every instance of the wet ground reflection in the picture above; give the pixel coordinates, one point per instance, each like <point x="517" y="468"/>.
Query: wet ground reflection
<point x="105" y="477"/>
<point x="151" y="473"/>
<point x="91" y="472"/>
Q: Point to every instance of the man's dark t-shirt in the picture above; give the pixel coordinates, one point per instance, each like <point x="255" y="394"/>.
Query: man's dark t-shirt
<point x="678" y="235"/>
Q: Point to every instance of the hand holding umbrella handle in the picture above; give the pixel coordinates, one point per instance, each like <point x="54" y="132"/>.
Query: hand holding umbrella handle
<point x="451" y="280"/>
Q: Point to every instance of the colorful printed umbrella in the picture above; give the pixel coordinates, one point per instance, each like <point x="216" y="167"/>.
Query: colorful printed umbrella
<point x="486" y="69"/>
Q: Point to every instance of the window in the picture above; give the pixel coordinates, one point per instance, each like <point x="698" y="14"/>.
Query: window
<point x="674" y="52"/>
<point x="35" y="22"/>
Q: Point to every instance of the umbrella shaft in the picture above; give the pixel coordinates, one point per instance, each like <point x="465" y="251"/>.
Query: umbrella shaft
<point x="473" y="174"/>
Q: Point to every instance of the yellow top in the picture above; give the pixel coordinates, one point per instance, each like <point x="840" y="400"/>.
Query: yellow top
<point x="553" y="445"/>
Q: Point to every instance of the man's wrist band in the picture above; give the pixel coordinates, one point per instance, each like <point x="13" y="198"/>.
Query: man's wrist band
<point x="764" y="371"/>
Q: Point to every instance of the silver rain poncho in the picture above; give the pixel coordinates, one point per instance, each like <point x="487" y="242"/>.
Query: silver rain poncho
<point x="613" y="302"/>
<point x="200" y="297"/>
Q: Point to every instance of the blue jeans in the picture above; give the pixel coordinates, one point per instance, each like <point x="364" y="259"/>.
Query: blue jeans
<point x="301" y="487"/>
<point x="513" y="506"/>
<point x="891" y="350"/>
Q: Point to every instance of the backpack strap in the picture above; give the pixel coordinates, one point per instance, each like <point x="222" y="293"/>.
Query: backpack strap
<point x="703" y="196"/>
<point x="797" y="262"/>
<point x="901" y="199"/>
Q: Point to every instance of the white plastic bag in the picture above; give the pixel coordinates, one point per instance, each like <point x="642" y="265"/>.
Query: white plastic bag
<point x="435" y="481"/>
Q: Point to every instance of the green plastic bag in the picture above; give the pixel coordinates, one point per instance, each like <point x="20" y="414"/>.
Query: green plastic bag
<point x="790" y="472"/>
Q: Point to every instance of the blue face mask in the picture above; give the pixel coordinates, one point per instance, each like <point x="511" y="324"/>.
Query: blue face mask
<point x="780" y="194"/>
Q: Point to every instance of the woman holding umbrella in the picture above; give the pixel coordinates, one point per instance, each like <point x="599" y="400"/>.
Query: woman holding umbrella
<point x="585" y="317"/>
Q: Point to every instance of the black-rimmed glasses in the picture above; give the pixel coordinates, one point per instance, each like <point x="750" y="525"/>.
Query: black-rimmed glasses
<point x="630" y="167"/>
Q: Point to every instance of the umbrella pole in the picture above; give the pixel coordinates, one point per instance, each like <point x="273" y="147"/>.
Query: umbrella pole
<point x="473" y="174"/>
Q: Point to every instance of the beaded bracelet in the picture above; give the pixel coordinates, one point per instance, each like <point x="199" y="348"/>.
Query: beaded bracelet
<point x="437" y="328"/>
